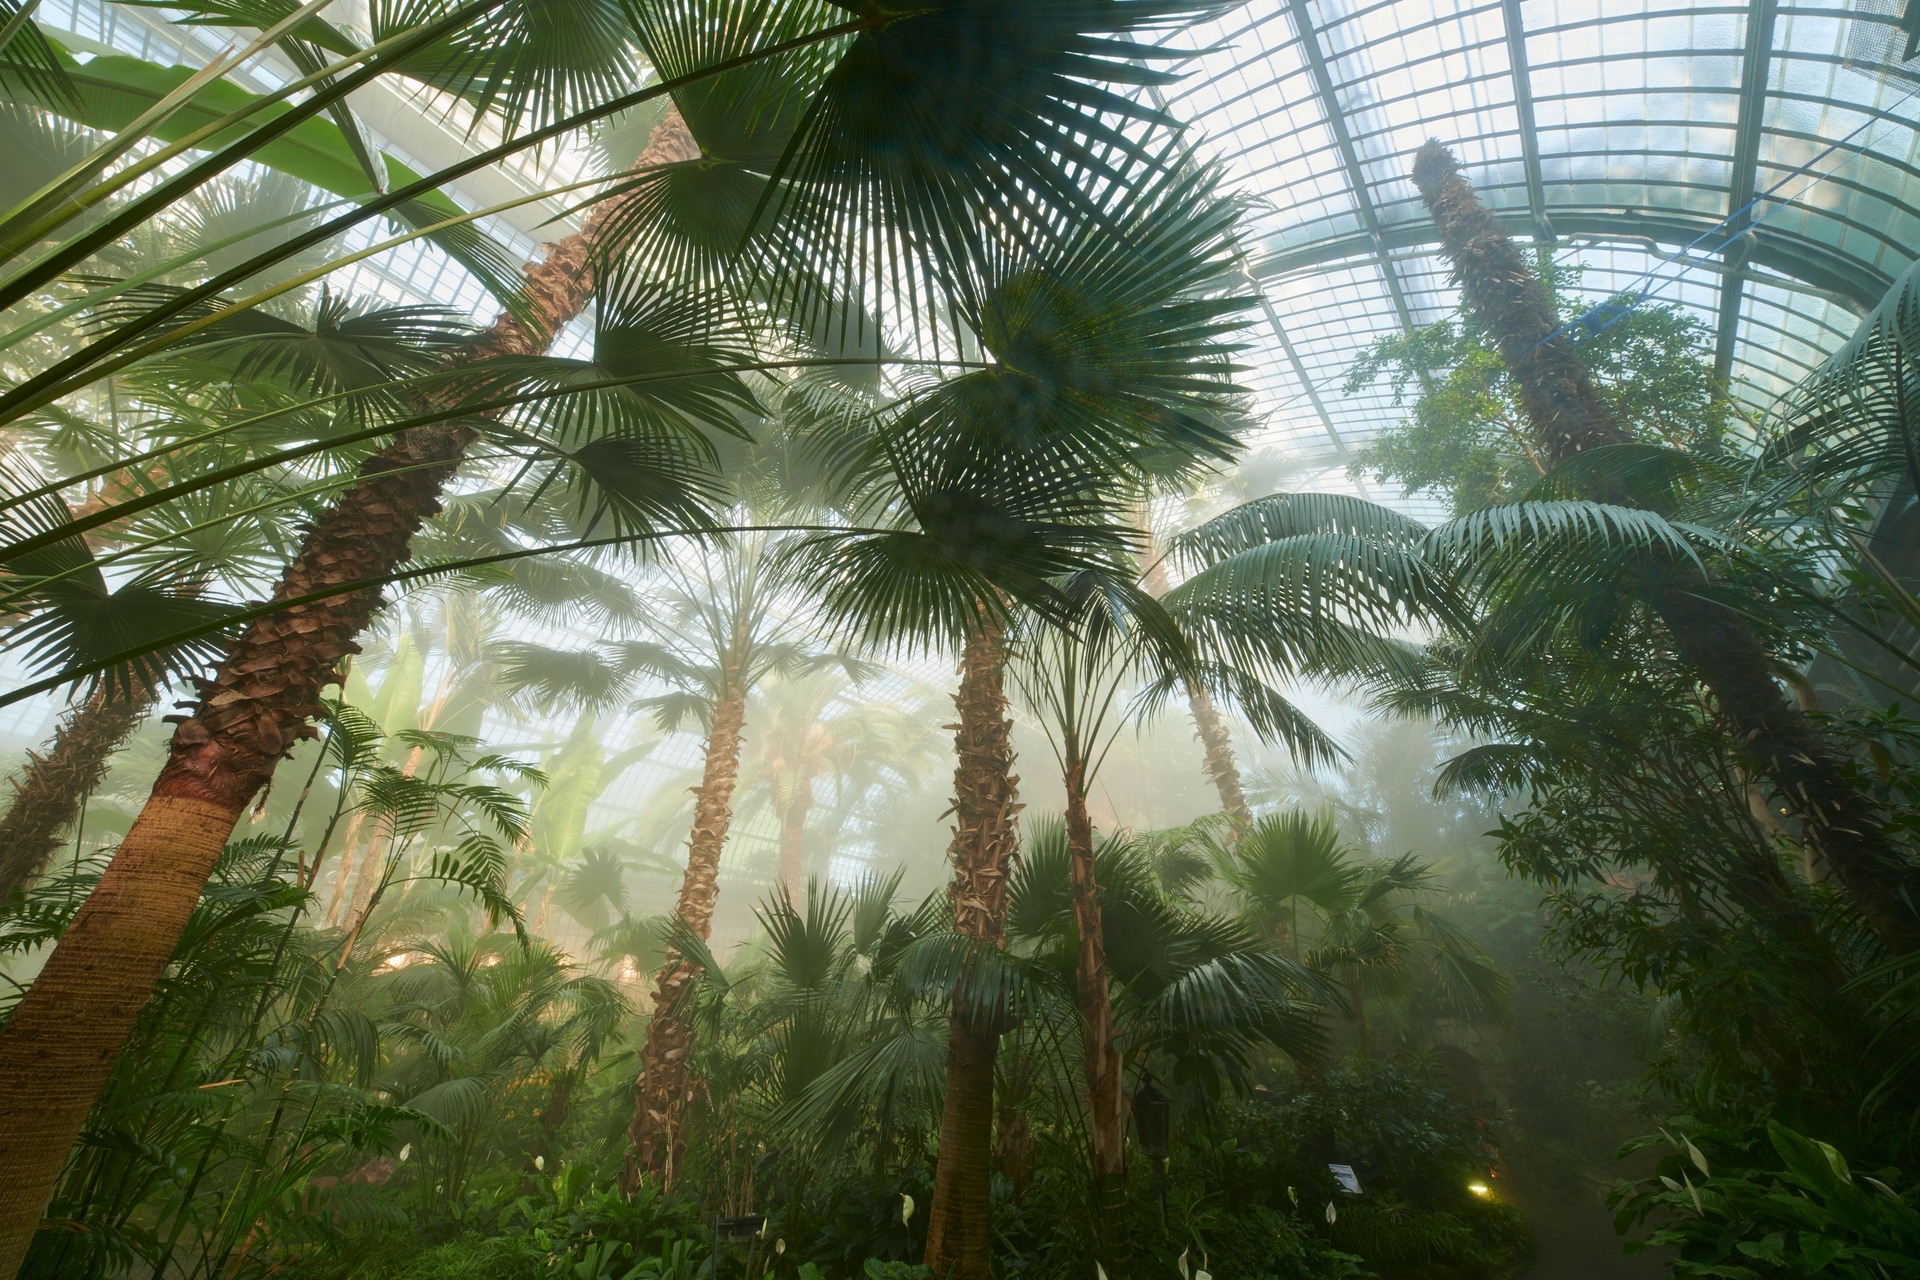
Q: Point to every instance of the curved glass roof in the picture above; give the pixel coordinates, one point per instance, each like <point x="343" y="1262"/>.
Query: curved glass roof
<point x="1754" y="162"/>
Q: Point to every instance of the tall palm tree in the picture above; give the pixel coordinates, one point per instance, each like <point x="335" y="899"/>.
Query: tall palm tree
<point x="1109" y="346"/>
<point x="1215" y="740"/>
<point x="943" y="148"/>
<point x="253" y="710"/>
<point x="1569" y="417"/>
<point x="724" y="629"/>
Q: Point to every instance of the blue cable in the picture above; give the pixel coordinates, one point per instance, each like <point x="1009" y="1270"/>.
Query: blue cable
<point x="1633" y="299"/>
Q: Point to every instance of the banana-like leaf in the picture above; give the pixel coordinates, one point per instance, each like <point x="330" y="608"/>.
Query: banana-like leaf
<point x="111" y="91"/>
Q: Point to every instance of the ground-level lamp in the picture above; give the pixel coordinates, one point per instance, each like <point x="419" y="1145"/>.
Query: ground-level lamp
<point x="1152" y="1117"/>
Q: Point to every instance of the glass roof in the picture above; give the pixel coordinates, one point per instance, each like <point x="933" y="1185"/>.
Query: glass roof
<point x="1623" y="132"/>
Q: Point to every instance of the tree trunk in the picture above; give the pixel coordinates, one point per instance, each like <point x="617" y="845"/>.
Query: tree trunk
<point x="1568" y="415"/>
<point x="657" y="1140"/>
<point x="985" y="792"/>
<point x="793" y="837"/>
<point x="1214" y="739"/>
<point x="1106" y="1100"/>
<point x="66" y="1031"/>
<point x="49" y="791"/>
<point x="1219" y="762"/>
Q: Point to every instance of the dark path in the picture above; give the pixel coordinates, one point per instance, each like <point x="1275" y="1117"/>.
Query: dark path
<point x="1573" y="1239"/>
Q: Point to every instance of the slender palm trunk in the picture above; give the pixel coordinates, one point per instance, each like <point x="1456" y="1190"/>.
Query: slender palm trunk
<point x="66" y="1031"/>
<point x="49" y="791"/>
<point x="1358" y="998"/>
<point x="1569" y="415"/>
<point x="1106" y="1100"/>
<point x="1219" y="762"/>
<point x="657" y="1139"/>
<point x="1221" y="769"/>
<point x="793" y="837"/>
<point x="985" y="802"/>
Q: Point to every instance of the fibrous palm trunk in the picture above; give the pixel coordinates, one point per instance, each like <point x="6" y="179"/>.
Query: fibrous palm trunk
<point x="793" y="836"/>
<point x="50" y="788"/>
<point x="1100" y="1060"/>
<point x="1569" y="415"/>
<point x="985" y="792"/>
<point x="1219" y="763"/>
<point x="66" y="1031"/>
<point x="657" y="1139"/>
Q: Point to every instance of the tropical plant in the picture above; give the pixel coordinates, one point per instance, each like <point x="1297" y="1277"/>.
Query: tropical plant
<point x="1367" y="927"/>
<point x="249" y="1009"/>
<point x="1468" y="438"/>
<point x="814" y="728"/>
<point x="1569" y="418"/>
<point x="476" y="1020"/>
<point x="1729" y="1206"/>
<point x="728" y="625"/>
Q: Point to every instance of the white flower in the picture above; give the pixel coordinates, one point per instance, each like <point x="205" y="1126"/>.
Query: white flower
<point x="540" y="1163"/>
<point x="1182" y="1264"/>
<point x="1333" y="1214"/>
<point x="405" y="1152"/>
<point x="906" y="1208"/>
<point x="779" y="1246"/>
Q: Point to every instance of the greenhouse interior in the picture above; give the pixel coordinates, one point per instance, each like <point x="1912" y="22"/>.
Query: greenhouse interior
<point x="960" y="639"/>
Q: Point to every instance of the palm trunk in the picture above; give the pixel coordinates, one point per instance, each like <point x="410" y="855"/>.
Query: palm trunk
<point x="985" y="791"/>
<point x="1106" y="1102"/>
<point x="793" y="835"/>
<point x="1219" y="764"/>
<point x="66" y="1031"/>
<point x="657" y="1139"/>
<point x="1569" y="415"/>
<point x="1214" y="738"/>
<point x="49" y="791"/>
<point x="1358" y="998"/>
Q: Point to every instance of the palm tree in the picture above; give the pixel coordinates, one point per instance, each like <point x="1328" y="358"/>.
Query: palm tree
<point x="724" y="630"/>
<point x="1365" y="926"/>
<point x="474" y="1016"/>
<point x="1108" y="347"/>
<point x="1215" y="741"/>
<point x="804" y="738"/>
<point x="223" y="377"/>
<point x="1569" y="417"/>
<point x="945" y="148"/>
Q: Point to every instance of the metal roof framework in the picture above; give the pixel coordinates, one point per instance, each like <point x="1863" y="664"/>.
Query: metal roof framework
<point x="1619" y="132"/>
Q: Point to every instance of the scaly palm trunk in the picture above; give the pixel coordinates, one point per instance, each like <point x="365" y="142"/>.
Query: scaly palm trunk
<point x="66" y="1031"/>
<point x="657" y="1139"/>
<point x="1106" y="1101"/>
<point x="1219" y="763"/>
<point x="1568" y="415"/>
<point x="985" y="802"/>
<point x="793" y="837"/>
<point x="49" y="790"/>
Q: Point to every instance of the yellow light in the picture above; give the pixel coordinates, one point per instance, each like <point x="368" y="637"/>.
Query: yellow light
<point x="1480" y="1189"/>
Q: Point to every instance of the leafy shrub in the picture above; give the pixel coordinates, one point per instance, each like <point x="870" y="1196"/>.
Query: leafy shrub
<point x="1737" y="1208"/>
<point x="1250" y="1191"/>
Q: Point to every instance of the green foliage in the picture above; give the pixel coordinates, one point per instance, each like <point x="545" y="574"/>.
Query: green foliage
<point x="1732" y="1205"/>
<point x="1467" y="438"/>
<point x="1248" y="1191"/>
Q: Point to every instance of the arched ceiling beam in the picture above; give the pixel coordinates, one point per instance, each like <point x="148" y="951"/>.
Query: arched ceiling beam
<point x="1349" y="154"/>
<point x="1523" y="107"/>
<point x="1755" y="67"/>
<point x="1820" y="266"/>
